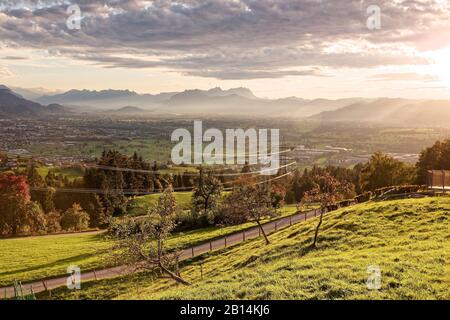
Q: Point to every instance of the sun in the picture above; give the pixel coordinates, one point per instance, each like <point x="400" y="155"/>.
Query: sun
<point x="441" y="65"/>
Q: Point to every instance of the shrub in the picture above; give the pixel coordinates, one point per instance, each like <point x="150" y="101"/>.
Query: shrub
<point x="364" y="197"/>
<point x="34" y="222"/>
<point x="122" y="229"/>
<point x="75" y="219"/>
<point x="53" y="222"/>
<point x="228" y="214"/>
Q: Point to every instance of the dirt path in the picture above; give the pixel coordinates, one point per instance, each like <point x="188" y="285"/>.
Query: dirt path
<point x="188" y="253"/>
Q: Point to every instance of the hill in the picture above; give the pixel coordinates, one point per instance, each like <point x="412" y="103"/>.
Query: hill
<point x="127" y="110"/>
<point x="13" y="105"/>
<point x="397" y="112"/>
<point x="407" y="239"/>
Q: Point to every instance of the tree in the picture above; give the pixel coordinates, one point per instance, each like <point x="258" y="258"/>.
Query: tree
<point x="277" y="194"/>
<point x="75" y="219"/>
<point x="436" y="157"/>
<point x="206" y="194"/>
<point x="97" y="212"/>
<point x="18" y="214"/>
<point x="34" y="220"/>
<point x="143" y="243"/>
<point x="250" y="202"/>
<point x="45" y="199"/>
<point x="53" y="221"/>
<point x="14" y="197"/>
<point x="34" y="178"/>
<point x="384" y="171"/>
<point x="327" y="192"/>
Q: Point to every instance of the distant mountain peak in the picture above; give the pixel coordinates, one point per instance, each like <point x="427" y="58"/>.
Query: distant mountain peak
<point x="13" y="105"/>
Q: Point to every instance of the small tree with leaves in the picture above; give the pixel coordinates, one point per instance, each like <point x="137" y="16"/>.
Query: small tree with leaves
<point x="142" y="242"/>
<point x="252" y="202"/>
<point x="328" y="191"/>
<point x="75" y="219"/>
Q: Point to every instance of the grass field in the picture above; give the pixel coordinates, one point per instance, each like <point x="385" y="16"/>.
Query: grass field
<point x="27" y="259"/>
<point x="139" y="205"/>
<point x="39" y="257"/>
<point x="408" y="239"/>
<point x="70" y="173"/>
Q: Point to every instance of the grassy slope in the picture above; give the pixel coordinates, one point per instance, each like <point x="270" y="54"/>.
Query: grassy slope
<point x="39" y="257"/>
<point x="409" y="240"/>
<point x="33" y="258"/>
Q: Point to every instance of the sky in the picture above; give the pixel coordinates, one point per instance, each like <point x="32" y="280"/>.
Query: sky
<point x="277" y="48"/>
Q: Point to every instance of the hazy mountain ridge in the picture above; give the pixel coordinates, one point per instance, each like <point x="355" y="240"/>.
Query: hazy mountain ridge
<point x="235" y="102"/>
<point x="403" y="112"/>
<point x="13" y="105"/>
<point x="105" y="99"/>
<point x="216" y="101"/>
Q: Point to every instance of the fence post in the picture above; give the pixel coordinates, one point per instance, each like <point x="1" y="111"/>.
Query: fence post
<point x="243" y="235"/>
<point x="290" y="221"/>
<point x="443" y="181"/>
<point x="192" y="251"/>
<point x="225" y="241"/>
<point x="259" y="232"/>
<point x="95" y="275"/>
<point x="276" y="225"/>
<point x="431" y="179"/>
<point x="45" y="285"/>
<point x="210" y="246"/>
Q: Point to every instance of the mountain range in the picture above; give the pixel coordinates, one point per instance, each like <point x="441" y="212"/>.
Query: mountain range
<point x="232" y="102"/>
<point x="13" y="105"/>
<point x="216" y="101"/>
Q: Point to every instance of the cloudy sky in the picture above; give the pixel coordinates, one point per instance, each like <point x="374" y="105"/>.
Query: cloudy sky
<point x="277" y="48"/>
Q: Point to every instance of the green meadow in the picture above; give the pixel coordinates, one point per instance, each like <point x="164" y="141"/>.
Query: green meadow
<point x="34" y="258"/>
<point x="408" y="240"/>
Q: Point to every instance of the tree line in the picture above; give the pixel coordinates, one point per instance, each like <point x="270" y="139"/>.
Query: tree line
<point x="30" y="203"/>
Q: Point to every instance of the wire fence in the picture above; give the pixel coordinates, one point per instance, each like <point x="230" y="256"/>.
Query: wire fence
<point x="438" y="180"/>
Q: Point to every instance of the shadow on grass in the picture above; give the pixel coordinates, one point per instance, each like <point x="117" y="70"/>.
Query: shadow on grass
<point x="66" y="261"/>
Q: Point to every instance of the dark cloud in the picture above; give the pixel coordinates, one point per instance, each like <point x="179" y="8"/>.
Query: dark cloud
<point x="230" y="39"/>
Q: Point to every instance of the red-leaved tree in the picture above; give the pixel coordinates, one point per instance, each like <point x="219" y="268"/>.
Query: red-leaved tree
<point x="14" y="197"/>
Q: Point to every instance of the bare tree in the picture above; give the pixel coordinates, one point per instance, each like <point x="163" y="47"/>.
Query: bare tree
<point x="328" y="191"/>
<point x="142" y="242"/>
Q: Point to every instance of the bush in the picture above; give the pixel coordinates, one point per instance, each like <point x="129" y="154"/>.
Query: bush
<point x="75" y="219"/>
<point x="34" y="222"/>
<point x="366" y="196"/>
<point x="53" y="222"/>
<point x="122" y="229"/>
